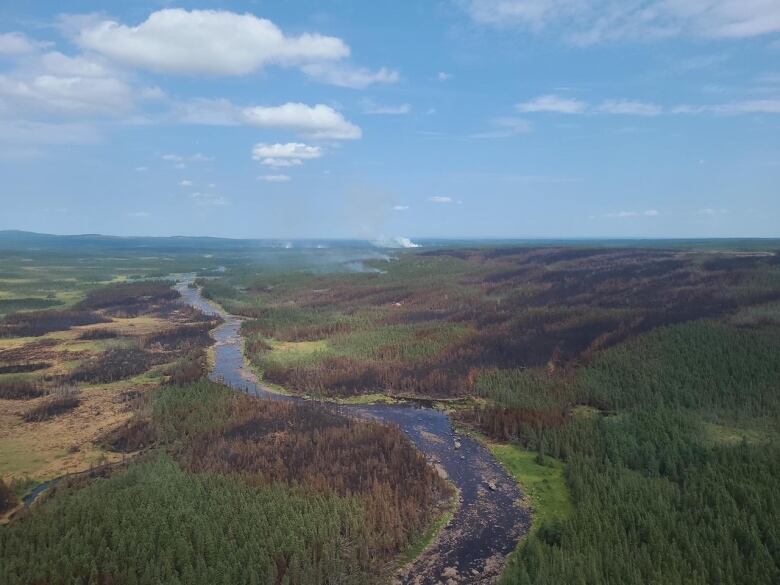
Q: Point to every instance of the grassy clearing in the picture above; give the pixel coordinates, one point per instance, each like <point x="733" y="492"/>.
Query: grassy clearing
<point x="544" y="484"/>
<point x="721" y="434"/>
<point x="297" y="353"/>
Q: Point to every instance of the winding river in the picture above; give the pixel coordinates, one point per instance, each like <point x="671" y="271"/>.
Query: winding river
<point x="489" y="520"/>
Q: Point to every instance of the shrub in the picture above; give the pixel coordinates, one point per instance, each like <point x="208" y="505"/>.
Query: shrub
<point x="37" y="323"/>
<point x="7" y="497"/>
<point x="95" y="334"/>
<point x="112" y="365"/>
<point x="60" y="400"/>
<point x="128" y="293"/>
<point x="19" y="389"/>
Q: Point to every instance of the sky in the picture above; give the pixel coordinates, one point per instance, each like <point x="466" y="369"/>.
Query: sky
<point x="389" y="120"/>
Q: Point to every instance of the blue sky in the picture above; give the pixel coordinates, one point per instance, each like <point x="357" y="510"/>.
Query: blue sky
<point x="388" y="120"/>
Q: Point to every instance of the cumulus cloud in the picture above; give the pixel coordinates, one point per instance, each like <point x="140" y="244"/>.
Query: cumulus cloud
<point x="711" y="211"/>
<point x="440" y="199"/>
<point x="16" y="43"/>
<point x="139" y="214"/>
<point x="55" y="83"/>
<point x="442" y="76"/>
<point x="400" y="207"/>
<point x="318" y="121"/>
<point x="289" y="150"/>
<point x="68" y="94"/>
<point x="185" y="183"/>
<point x="274" y="178"/>
<point x="207" y="42"/>
<point x="285" y="155"/>
<point x="352" y="77"/>
<point x="280" y="162"/>
<point x="587" y="22"/>
<point x="552" y="103"/>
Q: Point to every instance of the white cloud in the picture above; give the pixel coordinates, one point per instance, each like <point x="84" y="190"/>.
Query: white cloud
<point x="274" y="178"/>
<point x="629" y="107"/>
<point x="16" y="43"/>
<point x="141" y="169"/>
<point x="139" y="214"/>
<point x="181" y="159"/>
<point x="185" y="183"/>
<point x="209" y="199"/>
<point x="625" y="214"/>
<point x="768" y="106"/>
<point x="440" y="199"/>
<point x="552" y="103"/>
<point x="442" y="76"/>
<point x="711" y="211"/>
<point x="57" y="63"/>
<point x="208" y="42"/>
<point x="352" y="77"/>
<point x="294" y="150"/>
<point x="280" y="162"/>
<point x="67" y="94"/>
<point x="285" y="155"/>
<point x="621" y="214"/>
<point x="318" y="121"/>
<point x="400" y="207"/>
<point x="386" y="110"/>
<point x="586" y="22"/>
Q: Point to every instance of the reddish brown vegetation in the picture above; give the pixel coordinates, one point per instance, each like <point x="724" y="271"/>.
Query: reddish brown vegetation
<point x="308" y="446"/>
<point x="527" y="308"/>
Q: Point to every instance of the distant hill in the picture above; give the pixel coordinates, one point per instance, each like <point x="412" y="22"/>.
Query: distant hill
<point x="19" y="240"/>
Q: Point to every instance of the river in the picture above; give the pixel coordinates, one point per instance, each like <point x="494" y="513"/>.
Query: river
<point x="489" y="519"/>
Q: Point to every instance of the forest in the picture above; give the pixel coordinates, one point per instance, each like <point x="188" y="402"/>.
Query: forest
<point x="234" y="490"/>
<point x="633" y="391"/>
<point x="651" y="375"/>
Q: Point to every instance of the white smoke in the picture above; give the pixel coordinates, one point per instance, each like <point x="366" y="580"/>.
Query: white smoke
<point x="396" y="242"/>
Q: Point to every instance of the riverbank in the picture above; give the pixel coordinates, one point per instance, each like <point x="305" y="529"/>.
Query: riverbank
<point x="491" y="519"/>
